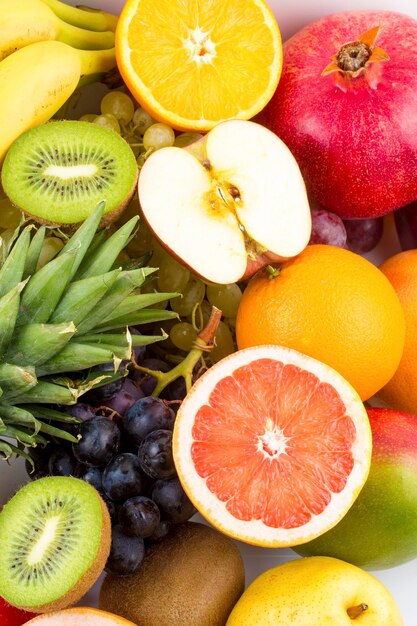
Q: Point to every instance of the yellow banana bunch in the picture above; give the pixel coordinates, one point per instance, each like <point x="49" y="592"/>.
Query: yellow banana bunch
<point x="36" y="80"/>
<point x="23" y="22"/>
<point x="83" y="16"/>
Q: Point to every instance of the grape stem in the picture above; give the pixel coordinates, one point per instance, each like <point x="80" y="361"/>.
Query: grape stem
<point x="203" y="343"/>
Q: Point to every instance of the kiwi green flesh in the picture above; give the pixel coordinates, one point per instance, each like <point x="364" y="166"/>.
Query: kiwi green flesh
<point x="58" y="172"/>
<point x="54" y="534"/>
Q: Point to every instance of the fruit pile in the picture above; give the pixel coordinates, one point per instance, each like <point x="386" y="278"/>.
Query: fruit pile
<point x="128" y="460"/>
<point x="188" y="320"/>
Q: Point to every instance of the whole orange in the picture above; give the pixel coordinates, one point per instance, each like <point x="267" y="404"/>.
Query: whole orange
<point x="333" y="305"/>
<point x="401" y="391"/>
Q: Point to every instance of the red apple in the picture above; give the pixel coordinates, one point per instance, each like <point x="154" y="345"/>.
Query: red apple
<point x="10" y="616"/>
<point x="229" y="204"/>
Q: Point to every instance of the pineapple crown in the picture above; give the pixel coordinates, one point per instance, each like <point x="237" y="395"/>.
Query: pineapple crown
<point x="59" y="321"/>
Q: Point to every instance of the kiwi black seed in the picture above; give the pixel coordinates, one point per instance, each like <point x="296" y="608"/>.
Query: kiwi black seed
<point x="58" y="172"/>
<point x="55" y="536"/>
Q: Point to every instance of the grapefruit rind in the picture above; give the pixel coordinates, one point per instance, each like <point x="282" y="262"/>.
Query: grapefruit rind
<point x="79" y="616"/>
<point x="255" y="532"/>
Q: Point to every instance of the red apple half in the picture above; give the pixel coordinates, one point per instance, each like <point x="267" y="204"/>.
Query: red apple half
<point x="229" y="203"/>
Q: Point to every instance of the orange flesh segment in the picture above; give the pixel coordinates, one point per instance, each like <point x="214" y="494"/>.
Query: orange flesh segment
<point x="230" y="73"/>
<point x="273" y="443"/>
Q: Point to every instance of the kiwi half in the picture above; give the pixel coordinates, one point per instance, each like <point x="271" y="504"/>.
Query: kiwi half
<point x="55" y="536"/>
<point x="57" y="173"/>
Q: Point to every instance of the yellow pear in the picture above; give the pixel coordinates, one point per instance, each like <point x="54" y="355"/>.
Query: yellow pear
<point x="316" y="591"/>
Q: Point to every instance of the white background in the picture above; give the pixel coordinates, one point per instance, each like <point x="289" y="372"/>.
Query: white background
<point x="401" y="580"/>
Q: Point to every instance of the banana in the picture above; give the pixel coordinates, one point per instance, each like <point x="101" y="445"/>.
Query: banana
<point x="36" y="80"/>
<point x="84" y="17"/>
<point x="26" y="21"/>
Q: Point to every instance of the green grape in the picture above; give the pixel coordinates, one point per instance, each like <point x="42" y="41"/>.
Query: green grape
<point x="141" y="120"/>
<point x="172" y="276"/>
<point x="225" y="297"/>
<point x="182" y="335"/>
<point x="185" y="139"/>
<point x="224" y="343"/>
<point x="151" y="287"/>
<point x="88" y="117"/>
<point x="10" y="217"/>
<point x="107" y="121"/>
<point x="51" y="247"/>
<point x="192" y="294"/>
<point x="158" y="136"/>
<point x="118" y="104"/>
<point x="200" y="314"/>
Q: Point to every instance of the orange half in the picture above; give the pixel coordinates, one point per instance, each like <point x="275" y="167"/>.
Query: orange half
<point x="272" y="446"/>
<point x="193" y="63"/>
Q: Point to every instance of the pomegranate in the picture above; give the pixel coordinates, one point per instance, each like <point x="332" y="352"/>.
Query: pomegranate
<point x="346" y="106"/>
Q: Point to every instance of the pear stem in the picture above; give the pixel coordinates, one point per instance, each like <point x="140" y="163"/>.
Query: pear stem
<point x="203" y="343"/>
<point x="356" y="611"/>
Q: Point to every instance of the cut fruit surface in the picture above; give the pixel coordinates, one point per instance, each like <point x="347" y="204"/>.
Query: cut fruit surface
<point x="225" y="200"/>
<point x="272" y="446"/>
<point x="57" y="173"/>
<point x="79" y="616"/>
<point x="188" y="64"/>
<point x="55" y="537"/>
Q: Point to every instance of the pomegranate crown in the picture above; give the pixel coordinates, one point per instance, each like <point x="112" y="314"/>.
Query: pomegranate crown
<point x="353" y="57"/>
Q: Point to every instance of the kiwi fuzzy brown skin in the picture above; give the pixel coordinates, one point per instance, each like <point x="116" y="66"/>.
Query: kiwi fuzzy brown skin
<point x="90" y="576"/>
<point x="194" y="576"/>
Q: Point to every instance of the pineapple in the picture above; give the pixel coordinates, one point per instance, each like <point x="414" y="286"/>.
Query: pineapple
<point x="60" y="321"/>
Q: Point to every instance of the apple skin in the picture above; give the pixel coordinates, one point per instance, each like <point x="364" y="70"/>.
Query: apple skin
<point x="316" y="591"/>
<point x="11" y="616"/>
<point x="380" y="529"/>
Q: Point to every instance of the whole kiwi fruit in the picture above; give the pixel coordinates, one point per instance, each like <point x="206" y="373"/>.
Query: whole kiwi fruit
<point x="193" y="577"/>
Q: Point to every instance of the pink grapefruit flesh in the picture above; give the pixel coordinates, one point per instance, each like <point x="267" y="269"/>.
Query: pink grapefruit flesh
<point x="272" y="446"/>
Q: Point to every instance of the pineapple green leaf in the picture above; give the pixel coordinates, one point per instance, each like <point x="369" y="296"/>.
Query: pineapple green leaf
<point x="57" y="432"/>
<point x="82" y="296"/>
<point x="75" y="357"/>
<point x="44" y="290"/>
<point x="11" y="272"/>
<point x="138" y="301"/>
<point x="83" y="236"/>
<point x="145" y="316"/>
<point x="7" y="450"/>
<point x="104" y="256"/>
<point x="33" y="344"/>
<point x="13" y="415"/>
<point x="34" y="252"/>
<point x="9" y="308"/>
<point x="46" y="413"/>
<point x="46" y="392"/>
<point x="15" y="379"/>
<point x="123" y="286"/>
<point x="23" y="436"/>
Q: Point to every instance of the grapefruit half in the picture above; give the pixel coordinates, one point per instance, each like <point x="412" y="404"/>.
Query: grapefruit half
<point x="79" y="616"/>
<point x="272" y="446"/>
